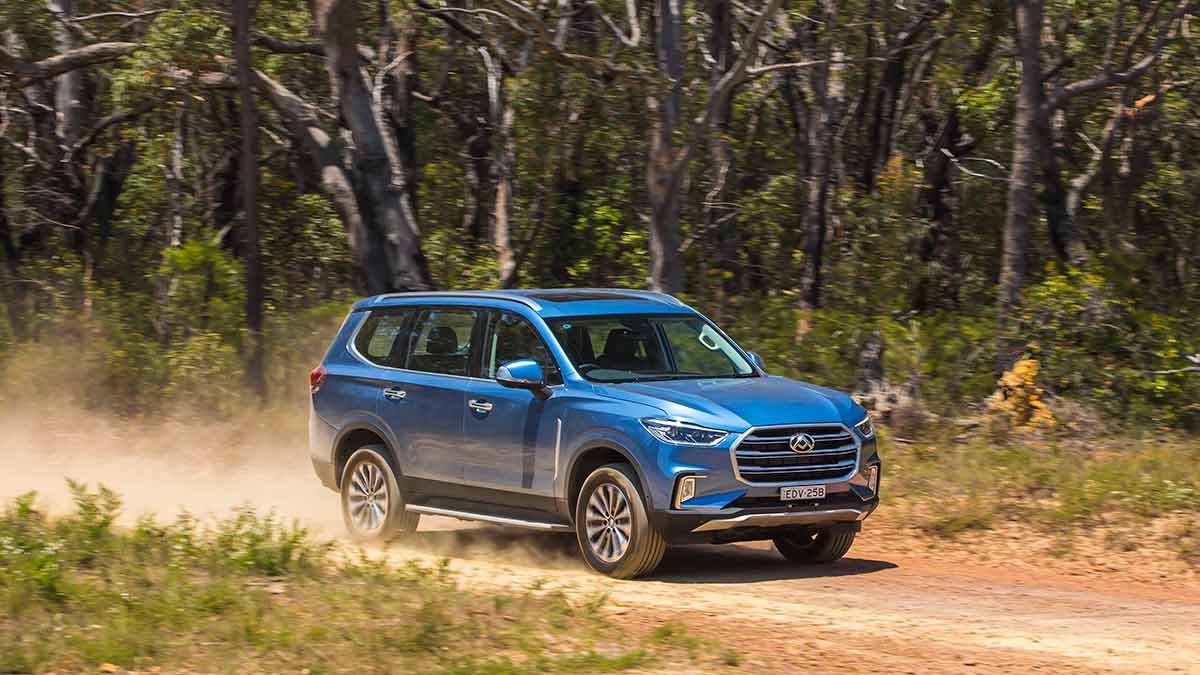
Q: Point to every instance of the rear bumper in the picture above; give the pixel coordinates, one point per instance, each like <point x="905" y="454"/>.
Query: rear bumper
<point x="320" y="449"/>
<point x="324" y="471"/>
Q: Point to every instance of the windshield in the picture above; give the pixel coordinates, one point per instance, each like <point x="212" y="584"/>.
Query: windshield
<point x="635" y="348"/>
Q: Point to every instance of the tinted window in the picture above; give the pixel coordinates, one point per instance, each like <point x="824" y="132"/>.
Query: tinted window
<point x="636" y="348"/>
<point x="699" y="349"/>
<point x="380" y="340"/>
<point x="512" y="338"/>
<point x="440" y="341"/>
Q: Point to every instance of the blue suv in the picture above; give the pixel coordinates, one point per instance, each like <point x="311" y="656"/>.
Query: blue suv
<point x="625" y="417"/>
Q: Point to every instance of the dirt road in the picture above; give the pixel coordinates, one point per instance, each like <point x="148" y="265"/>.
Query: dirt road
<point x="878" y="610"/>
<point x="894" y="605"/>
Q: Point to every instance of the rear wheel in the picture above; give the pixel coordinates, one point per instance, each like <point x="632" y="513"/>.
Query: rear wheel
<point x="613" y="527"/>
<point x="372" y="506"/>
<point x="815" y="547"/>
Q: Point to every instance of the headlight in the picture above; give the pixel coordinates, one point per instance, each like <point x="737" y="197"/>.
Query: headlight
<point x="865" y="427"/>
<point x="681" y="433"/>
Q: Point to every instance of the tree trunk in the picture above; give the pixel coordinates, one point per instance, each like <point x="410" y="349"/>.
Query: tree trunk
<point x="11" y="289"/>
<point x="68" y="87"/>
<point x="1021" y="207"/>
<point x="1060" y="220"/>
<point x="938" y="189"/>
<point x="387" y="215"/>
<point x="718" y="221"/>
<point x="334" y="180"/>
<point x="662" y="180"/>
<point x="475" y="170"/>
<point x="248" y="173"/>
<point x="828" y="90"/>
<point x="501" y="113"/>
<point x="172" y="225"/>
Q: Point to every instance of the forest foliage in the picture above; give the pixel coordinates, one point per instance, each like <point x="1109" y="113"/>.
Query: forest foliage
<point x="960" y="187"/>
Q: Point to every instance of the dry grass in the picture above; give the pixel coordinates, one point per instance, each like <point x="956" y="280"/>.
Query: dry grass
<point x="252" y="594"/>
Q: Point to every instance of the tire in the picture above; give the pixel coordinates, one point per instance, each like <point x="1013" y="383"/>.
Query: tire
<point x="616" y="493"/>
<point x="367" y="480"/>
<point x="815" y="548"/>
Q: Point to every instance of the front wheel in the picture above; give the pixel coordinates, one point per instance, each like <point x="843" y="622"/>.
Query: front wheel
<point x="372" y="506"/>
<point x="817" y="547"/>
<point x="614" y="530"/>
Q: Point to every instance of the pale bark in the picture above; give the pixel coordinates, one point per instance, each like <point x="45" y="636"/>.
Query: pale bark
<point x="172" y="235"/>
<point x="719" y="221"/>
<point x="502" y="115"/>
<point x="387" y="213"/>
<point x="1021" y="207"/>
<point x="28" y="73"/>
<point x="828" y="91"/>
<point x="68" y="87"/>
<point x="333" y="177"/>
<point x="662" y="176"/>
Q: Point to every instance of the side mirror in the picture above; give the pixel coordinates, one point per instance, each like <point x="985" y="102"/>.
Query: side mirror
<point x="757" y="360"/>
<point x="523" y="374"/>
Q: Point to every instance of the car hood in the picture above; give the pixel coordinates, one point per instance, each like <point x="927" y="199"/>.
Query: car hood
<point x="733" y="403"/>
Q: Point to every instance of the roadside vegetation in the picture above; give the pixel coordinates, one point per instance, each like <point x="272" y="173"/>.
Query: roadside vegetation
<point x="952" y="484"/>
<point x="251" y="593"/>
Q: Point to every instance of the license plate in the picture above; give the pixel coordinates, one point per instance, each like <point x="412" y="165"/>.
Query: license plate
<point x="801" y="492"/>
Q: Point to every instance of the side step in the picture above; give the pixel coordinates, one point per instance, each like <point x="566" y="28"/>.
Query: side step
<point x="489" y="518"/>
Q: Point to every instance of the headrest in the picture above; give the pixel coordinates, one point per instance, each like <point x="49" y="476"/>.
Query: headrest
<point x="620" y="344"/>
<point x="442" y="340"/>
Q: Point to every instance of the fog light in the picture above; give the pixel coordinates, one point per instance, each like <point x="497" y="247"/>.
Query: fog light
<point x="686" y="490"/>
<point x="873" y="477"/>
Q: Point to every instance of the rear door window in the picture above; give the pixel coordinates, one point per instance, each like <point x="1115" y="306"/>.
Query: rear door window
<point x="440" y="341"/>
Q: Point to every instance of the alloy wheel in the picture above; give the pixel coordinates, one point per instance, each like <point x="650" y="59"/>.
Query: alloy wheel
<point x="609" y="523"/>
<point x="368" y="498"/>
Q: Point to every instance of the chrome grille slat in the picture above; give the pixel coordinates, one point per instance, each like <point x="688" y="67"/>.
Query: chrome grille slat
<point x="795" y="469"/>
<point x="784" y="439"/>
<point x="761" y="456"/>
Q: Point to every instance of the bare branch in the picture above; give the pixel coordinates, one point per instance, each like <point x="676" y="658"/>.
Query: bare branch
<point x="635" y="28"/>
<point x="1189" y="369"/>
<point x="26" y="73"/>
<point x="724" y="87"/>
<point x="90" y="137"/>
<point x="1108" y="79"/>
<point x="122" y="15"/>
<point x="489" y="12"/>
<point x="958" y="163"/>
<point x="282" y="46"/>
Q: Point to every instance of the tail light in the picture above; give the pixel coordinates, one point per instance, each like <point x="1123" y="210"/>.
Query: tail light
<point x="316" y="378"/>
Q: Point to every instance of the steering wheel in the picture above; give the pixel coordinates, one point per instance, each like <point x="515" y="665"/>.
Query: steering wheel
<point x="584" y="368"/>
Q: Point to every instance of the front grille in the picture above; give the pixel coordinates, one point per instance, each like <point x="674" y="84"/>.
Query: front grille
<point x="766" y="456"/>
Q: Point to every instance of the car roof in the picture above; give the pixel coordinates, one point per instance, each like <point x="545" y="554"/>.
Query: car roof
<point x="549" y="303"/>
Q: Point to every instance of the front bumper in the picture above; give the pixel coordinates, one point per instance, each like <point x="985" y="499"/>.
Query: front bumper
<point x="692" y="526"/>
<point x="784" y="518"/>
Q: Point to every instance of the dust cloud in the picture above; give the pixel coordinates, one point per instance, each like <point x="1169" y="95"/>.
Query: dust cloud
<point x="164" y="466"/>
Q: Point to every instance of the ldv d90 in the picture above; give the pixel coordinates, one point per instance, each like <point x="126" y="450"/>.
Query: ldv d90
<point x="625" y="417"/>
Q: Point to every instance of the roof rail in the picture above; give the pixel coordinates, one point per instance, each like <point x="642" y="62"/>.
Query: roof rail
<point x="513" y="297"/>
<point x="649" y="295"/>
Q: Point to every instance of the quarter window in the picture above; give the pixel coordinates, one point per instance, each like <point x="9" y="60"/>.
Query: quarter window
<point x="380" y="340"/>
<point x="440" y="341"/>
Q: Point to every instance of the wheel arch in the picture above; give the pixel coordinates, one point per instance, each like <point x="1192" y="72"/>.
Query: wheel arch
<point x="594" y="455"/>
<point x="355" y="436"/>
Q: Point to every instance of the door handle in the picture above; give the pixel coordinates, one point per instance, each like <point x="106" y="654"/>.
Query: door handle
<point x="393" y="394"/>
<point x="480" y="406"/>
